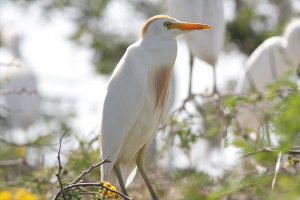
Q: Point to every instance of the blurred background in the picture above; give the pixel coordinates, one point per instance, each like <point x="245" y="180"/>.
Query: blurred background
<point x="56" y="57"/>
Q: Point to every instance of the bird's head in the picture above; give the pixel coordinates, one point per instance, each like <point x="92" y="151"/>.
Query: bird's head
<point x="166" y="26"/>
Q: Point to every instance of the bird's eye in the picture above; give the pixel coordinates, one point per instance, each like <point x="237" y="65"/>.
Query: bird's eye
<point x="167" y="24"/>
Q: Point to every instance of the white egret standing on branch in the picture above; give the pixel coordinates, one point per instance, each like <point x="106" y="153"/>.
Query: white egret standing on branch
<point x="204" y="45"/>
<point x="23" y="102"/>
<point x="136" y="96"/>
<point x="272" y="59"/>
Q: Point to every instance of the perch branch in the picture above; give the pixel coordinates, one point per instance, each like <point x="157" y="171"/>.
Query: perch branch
<point x="106" y="160"/>
<point x="59" y="164"/>
<point x="8" y="163"/>
<point x="293" y="150"/>
<point x="88" y="185"/>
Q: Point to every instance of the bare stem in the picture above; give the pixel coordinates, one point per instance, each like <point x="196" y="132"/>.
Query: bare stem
<point x="276" y="169"/>
<point x="88" y="185"/>
<point x="293" y="150"/>
<point x="7" y="163"/>
<point x="89" y="170"/>
<point x="59" y="164"/>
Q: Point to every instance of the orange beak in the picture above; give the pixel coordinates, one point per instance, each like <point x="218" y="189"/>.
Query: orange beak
<point x="184" y="26"/>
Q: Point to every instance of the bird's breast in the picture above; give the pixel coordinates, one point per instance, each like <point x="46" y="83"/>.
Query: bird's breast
<point x="160" y="81"/>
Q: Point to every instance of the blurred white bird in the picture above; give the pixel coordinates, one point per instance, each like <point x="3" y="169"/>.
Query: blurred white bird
<point x="204" y="45"/>
<point x="21" y="106"/>
<point x="136" y="96"/>
<point x="273" y="58"/>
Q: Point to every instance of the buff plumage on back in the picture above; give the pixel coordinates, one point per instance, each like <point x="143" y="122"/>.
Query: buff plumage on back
<point x="146" y="24"/>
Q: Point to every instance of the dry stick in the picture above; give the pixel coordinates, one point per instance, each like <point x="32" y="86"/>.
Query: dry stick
<point x="293" y="150"/>
<point x="8" y="163"/>
<point x="90" y="184"/>
<point x="82" y="191"/>
<point x="89" y="170"/>
<point x="28" y="144"/>
<point x="10" y="64"/>
<point x="59" y="164"/>
<point x="276" y="169"/>
<point x="17" y="91"/>
<point x="75" y="183"/>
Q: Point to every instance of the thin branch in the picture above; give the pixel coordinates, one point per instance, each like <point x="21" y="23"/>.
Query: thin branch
<point x="75" y="183"/>
<point x="276" y="169"/>
<point x="59" y="164"/>
<point x="8" y="163"/>
<point x="88" y="185"/>
<point x="89" y="170"/>
<point x="293" y="150"/>
<point x="12" y="183"/>
<point x="82" y="191"/>
<point x="28" y="144"/>
<point x="10" y="64"/>
<point x="18" y="91"/>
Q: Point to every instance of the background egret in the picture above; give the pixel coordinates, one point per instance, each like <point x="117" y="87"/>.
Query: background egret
<point x="22" y="104"/>
<point x="204" y="45"/>
<point x="270" y="61"/>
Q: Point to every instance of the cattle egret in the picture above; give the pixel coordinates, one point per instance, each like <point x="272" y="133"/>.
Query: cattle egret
<point x="273" y="58"/>
<point x="22" y="108"/>
<point x="204" y="45"/>
<point x="136" y="96"/>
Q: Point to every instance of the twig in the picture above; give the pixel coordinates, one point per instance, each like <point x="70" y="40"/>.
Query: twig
<point x="75" y="183"/>
<point x="12" y="183"/>
<point x="59" y="164"/>
<point x="88" y="185"/>
<point x="85" y="191"/>
<point x="28" y="144"/>
<point x="293" y="150"/>
<point x="89" y="170"/>
<point x="10" y="64"/>
<point x="276" y="169"/>
<point x="18" y="91"/>
<point x="8" y="163"/>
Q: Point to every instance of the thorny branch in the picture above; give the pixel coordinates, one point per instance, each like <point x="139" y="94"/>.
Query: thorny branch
<point x="59" y="164"/>
<point x="75" y="183"/>
<point x="88" y="185"/>
<point x="106" y="160"/>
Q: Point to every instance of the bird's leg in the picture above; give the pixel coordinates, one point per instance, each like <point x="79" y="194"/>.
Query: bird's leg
<point x="215" y="90"/>
<point x="191" y="73"/>
<point x="119" y="176"/>
<point x="140" y="167"/>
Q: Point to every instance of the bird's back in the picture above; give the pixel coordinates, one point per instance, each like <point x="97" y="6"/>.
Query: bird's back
<point x="263" y="66"/>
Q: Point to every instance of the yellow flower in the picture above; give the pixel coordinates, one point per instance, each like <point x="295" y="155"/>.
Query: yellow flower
<point x="5" y="195"/>
<point x="23" y="194"/>
<point x="107" y="184"/>
<point x="20" y="151"/>
<point x="113" y="188"/>
<point x="107" y="193"/>
<point x="113" y="194"/>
